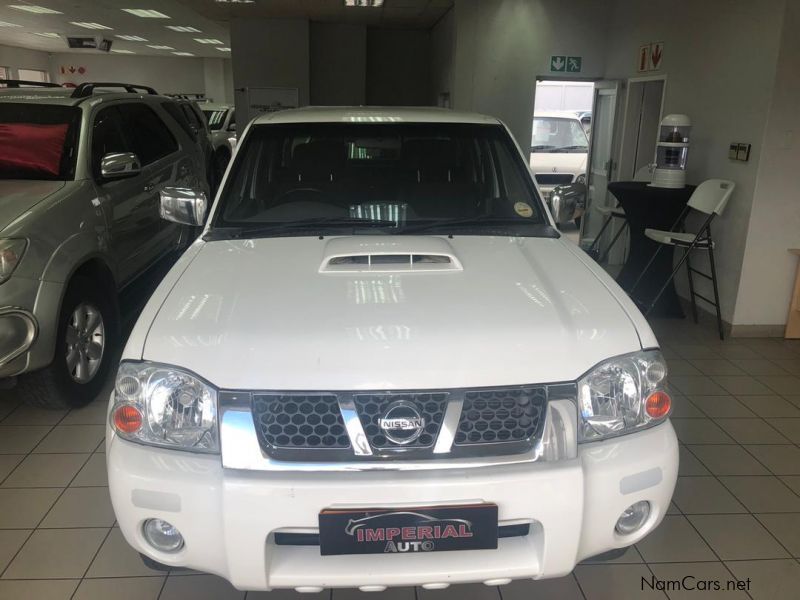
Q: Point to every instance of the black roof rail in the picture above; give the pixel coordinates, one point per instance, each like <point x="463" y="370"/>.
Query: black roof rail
<point x="84" y="90"/>
<point x="18" y="83"/>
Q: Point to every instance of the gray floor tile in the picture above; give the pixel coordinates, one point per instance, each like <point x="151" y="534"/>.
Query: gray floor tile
<point x="770" y="579"/>
<point x="690" y="385"/>
<point x="8" y="463"/>
<point x="781" y="384"/>
<point x="789" y="365"/>
<point x="56" y="554"/>
<point x="717" y="366"/>
<point x="785" y="527"/>
<point x="742" y="385"/>
<point x="758" y="366"/>
<point x="727" y="459"/>
<point x="46" y="470"/>
<point x="701" y="572"/>
<point x="751" y="431"/>
<point x="700" y="431"/>
<point x="630" y="557"/>
<point x="93" y="473"/>
<point x="199" y="587"/>
<point x="682" y="408"/>
<point x="93" y="414"/>
<point x="737" y="537"/>
<point x="721" y="406"/>
<point x="794" y="399"/>
<point x="770" y="406"/>
<point x="781" y="459"/>
<point x="788" y="427"/>
<point x="117" y="559"/>
<point x="25" y="508"/>
<point x="680" y="366"/>
<point x="32" y="415"/>
<point x="763" y="494"/>
<point x="688" y="464"/>
<point x="563" y="588"/>
<point x="793" y="481"/>
<point x="694" y="351"/>
<point x="7" y="406"/>
<point x="11" y="541"/>
<point x="407" y="593"/>
<point x="292" y="595"/>
<point x="38" y="590"/>
<point x="477" y="591"/>
<point x="737" y="352"/>
<point x="71" y="438"/>
<point x="614" y="582"/>
<point x="704" y="495"/>
<point x="674" y="540"/>
<point x="133" y="588"/>
<point x="81" y="507"/>
<point x="772" y="349"/>
<point x="20" y="439"/>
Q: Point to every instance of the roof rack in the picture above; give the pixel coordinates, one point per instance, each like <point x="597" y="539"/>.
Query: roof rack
<point x="84" y="90"/>
<point x="18" y="83"/>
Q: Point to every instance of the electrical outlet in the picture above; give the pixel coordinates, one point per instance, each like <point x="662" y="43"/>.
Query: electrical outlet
<point x="737" y="151"/>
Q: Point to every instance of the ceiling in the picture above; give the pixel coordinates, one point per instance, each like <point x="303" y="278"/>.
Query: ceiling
<point x="210" y="17"/>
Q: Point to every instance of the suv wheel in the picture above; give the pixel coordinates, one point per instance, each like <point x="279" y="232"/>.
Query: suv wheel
<point x="85" y="343"/>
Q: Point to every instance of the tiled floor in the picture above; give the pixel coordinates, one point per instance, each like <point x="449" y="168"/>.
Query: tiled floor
<point x="735" y="514"/>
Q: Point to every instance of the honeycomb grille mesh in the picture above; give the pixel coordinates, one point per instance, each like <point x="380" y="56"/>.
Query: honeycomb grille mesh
<point x="299" y="421"/>
<point x="431" y="407"/>
<point x="496" y="416"/>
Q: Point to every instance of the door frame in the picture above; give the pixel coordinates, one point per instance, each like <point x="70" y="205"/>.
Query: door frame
<point x="628" y="82"/>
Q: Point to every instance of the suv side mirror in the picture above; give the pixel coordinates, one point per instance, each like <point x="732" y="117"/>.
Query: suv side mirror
<point x="119" y="165"/>
<point x="183" y="205"/>
<point x="232" y="127"/>
<point x="565" y="200"/>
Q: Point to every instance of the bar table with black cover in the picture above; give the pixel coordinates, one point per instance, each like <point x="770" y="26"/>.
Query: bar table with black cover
<point x="649" y="207"/>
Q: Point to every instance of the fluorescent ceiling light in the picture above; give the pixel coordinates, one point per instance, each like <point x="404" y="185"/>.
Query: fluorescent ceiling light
<point x="88" y="25"/>
<point x="131" y="38"/>
<point x="39" y="10"/>
<point x="46" y="34"/>
<point x="145" y="13"/>
<point x="122" y="51"/>
<point x="183" y="54"/>
<point x="5" y="24"/>
<point x="182" y="29"/>
<point x="160" y="47"/>
<point x="224" y="49"/>
<point x="364" y="3"/>
<point x="207" y="41"/>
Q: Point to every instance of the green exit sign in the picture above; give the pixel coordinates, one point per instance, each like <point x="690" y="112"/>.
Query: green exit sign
<point x="561" y="63"/>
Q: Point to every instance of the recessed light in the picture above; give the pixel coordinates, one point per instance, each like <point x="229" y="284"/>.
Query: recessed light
<point x="207" y="41"/>
<point x="46" y="34"/>
<point x="39" y="10"/>
<point x="88" y="25"/>
<point x="146" y="13"/>
<point x="182" y="29"/>
<point x="224" y="49"/>
<point x="131" y="38"/>
<point x="160" y="47"/>
<point x="364" y="3"/>
<point x="5" y="24"/>
<point x="183" y="54"/>
<point x="115" y="51"/>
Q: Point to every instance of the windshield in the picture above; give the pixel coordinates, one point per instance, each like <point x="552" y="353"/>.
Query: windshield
<point x="399" y="177"/>
<point x="554" y="134"/>
<point x="38" y="141"/>
<point x="215" y="118"/>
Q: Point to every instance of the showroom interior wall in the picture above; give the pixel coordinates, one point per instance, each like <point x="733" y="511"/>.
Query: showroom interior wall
<point x="338" y="64"/>
<point x="724" y="86"/>
<point x="443" y="47"/>
<point x="22" y="58"/>
<point x="398" y="67"/>
<point x="768" y="269"/>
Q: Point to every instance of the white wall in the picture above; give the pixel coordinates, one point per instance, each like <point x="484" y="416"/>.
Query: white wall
<point x="398" y="67"/>
<point x="768" y="270"/>
<point x="443" y="48"/>
<point x="214" y="79"/>
<point x="338" y="63"/>
<point x="719" y="58"/>
<point x="21" y="58"/>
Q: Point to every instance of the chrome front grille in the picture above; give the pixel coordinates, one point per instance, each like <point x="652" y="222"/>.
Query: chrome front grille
<point x="412" y="425"/>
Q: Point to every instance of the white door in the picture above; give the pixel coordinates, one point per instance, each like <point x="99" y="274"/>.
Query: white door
<point x="601" y="168"/>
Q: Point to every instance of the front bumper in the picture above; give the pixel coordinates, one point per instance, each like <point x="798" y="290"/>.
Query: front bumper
<point x="229" y="517"/>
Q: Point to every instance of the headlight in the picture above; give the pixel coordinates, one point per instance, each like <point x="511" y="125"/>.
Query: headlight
<point x="165" y="406"/>
<point x="581" y="179"/>
<point x="11" y="252"/>
<point x="623" y="395"/>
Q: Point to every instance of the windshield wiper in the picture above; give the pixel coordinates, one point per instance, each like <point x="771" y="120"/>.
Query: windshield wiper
<point x="541" y="147"/>
<point x="479" y="220"/>
<point x="303" y="224"/>
<point x="571" y="148"/>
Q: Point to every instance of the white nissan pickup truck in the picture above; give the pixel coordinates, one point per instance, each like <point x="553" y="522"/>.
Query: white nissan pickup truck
<point x="381" y="365"/>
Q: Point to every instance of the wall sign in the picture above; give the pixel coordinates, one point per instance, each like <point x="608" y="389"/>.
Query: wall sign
<point x="72" y="69"/>
<point x="650" y="57"/>
<point x="560" y="63"/>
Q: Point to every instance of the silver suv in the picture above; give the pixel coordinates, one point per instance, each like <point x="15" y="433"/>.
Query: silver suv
<point x="80" y="175"/>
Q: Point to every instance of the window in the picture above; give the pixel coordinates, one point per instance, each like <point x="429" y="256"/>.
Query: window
<point x="150" y="137"/>
<point x="178" y="113"/>
<point x="192" y="117"/>
<point x="556" y="134"/>
<point x="33" y="75"/>
<point x="107" y="137"/>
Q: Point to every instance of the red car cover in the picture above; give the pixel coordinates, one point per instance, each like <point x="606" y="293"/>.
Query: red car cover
<point x="30" y="147"/>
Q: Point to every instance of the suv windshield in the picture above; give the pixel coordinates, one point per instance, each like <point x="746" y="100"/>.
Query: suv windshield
<point x="215" y="118"/>
<point x="38" y="141"/>
<point x="400" y="178"/>
<point x="554" y="134"/>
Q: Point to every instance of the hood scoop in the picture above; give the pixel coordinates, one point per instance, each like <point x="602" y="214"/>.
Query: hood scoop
<point x="388" y="255"/>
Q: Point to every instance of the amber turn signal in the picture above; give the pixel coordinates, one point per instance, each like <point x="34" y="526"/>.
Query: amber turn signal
<point x="127" y="419"/>
<point x="658" y="405"/>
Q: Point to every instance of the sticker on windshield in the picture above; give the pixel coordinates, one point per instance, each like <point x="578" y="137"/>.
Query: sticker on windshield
<point x="523" y="209"/>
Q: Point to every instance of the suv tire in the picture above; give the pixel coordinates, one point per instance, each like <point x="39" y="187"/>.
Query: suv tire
<point x="58" y="385"/>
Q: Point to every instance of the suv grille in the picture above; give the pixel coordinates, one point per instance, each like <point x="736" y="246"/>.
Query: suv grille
<point x="553" y="178"/>
<point x="373" y="406"/>
<point x="493" y="416"/>
<point x="290" y="421"/>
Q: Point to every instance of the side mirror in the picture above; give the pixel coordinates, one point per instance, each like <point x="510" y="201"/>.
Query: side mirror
<point x="567" y="200"/>
<point x="183" y="205"/>
<point x="232" y="127"/>
<point x="119" y="165"/>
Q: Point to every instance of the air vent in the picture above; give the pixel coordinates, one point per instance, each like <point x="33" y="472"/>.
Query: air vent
<point x="390" y="262"/>
<point x="388" y="254"/>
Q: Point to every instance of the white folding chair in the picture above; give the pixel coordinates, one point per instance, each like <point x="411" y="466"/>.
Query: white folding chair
<point x="710" y="199"/>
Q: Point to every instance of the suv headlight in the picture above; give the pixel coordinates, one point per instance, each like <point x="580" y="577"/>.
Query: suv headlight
<point x="623" y="395"/>
<point x="11" y="251"/>
<point x="581" y="179"/>
<point x="165" y="406"/>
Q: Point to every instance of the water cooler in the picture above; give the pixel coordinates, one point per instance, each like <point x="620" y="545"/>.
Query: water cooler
<point x="672" y="151"/>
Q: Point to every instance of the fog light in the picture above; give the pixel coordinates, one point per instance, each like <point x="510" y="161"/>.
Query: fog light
<point x="162" y="536"/>
<point x="633" y="517"/>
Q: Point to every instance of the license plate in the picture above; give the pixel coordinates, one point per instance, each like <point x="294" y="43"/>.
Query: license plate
<point x="408" y="530"/>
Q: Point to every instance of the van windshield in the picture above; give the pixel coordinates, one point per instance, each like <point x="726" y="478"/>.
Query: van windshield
<point x="38" y="141"/>
<point x="402" y="177"/>
<point x="556" y="134"/>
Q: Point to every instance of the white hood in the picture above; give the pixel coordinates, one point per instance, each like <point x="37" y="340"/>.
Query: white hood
<point x="563" y="162"/>
<point x="266" y="314"/>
